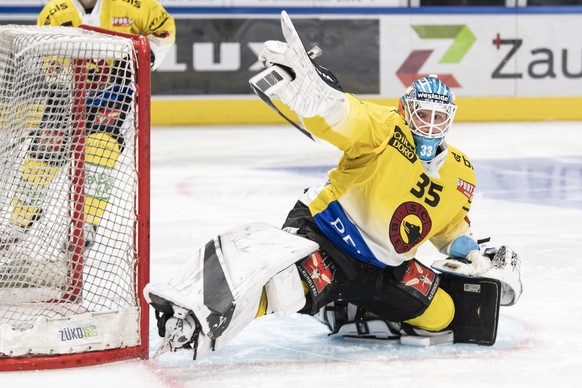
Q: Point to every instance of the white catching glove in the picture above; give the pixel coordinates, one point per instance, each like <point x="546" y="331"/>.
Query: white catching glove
<point x="307" y="93"/>
<point x="502" y="264"/>
<point x="506" y="267"/>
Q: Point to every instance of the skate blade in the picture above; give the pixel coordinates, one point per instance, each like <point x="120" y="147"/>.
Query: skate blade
<point x="163" y="349"/>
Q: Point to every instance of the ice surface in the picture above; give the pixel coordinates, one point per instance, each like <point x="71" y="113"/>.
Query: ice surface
<point x="208" y="180"/>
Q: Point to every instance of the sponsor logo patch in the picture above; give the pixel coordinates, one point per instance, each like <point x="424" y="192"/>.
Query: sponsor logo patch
<point x="121" y="21"/>
<point x="433" y="96"/>
<point x="466" y="188"/>
<point x="318" y="272"/>
<point x="77" y="333"/>
<point x="452" y="266"/>
<point x="418" y="277"/>
<point x="402" y="145"/>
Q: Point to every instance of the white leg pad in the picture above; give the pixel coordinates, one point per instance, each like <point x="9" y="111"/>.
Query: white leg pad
<point x="222" y="283"/>
<point x="285" y="293"/>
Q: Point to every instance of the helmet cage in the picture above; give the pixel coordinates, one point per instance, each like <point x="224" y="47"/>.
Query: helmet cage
<point x="427" y="127"/>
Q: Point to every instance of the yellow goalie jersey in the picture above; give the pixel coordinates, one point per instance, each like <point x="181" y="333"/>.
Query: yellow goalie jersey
<point x="142" y="17"/>
<point x="380" y="203"/>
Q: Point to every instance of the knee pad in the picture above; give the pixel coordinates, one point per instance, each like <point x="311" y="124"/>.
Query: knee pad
<point x="285" y="293"/>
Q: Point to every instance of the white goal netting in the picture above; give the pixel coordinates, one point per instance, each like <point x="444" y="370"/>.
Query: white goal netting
<point x="69" y="187"/>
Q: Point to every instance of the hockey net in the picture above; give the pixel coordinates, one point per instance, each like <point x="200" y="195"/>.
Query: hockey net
<point x="74" y="196"/>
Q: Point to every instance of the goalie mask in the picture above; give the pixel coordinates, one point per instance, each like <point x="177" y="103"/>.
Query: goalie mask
<point x="429" y="110"/>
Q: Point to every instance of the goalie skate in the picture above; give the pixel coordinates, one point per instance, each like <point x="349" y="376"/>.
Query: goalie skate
<point x="179" y="328"/>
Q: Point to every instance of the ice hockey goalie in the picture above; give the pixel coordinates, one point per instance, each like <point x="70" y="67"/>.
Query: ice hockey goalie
<point x="347" y="252"/>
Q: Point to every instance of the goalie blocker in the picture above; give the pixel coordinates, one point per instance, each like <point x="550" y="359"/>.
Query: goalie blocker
<point x="477" y="302"/>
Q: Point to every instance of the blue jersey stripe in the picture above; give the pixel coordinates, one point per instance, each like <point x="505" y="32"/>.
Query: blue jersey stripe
<point x="336" y="226"/>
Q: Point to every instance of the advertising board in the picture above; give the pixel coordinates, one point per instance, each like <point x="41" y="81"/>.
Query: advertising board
<point x="501" y="66"/>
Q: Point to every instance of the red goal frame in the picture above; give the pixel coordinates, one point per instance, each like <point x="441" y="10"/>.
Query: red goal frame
<point x="142" y="227"/>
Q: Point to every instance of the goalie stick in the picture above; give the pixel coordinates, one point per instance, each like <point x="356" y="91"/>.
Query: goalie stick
<point x="268" y="81"/>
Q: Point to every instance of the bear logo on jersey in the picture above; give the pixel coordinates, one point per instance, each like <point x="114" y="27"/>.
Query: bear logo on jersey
<point x="409" y="225"/>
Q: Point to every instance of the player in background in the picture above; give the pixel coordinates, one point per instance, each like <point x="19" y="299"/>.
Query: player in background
<point x="108" y="103"/>
<point x="398" y="185"/>
<point x="141" y="17"/>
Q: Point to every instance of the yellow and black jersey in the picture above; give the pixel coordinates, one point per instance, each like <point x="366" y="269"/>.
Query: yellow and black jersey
<point x="381" y="203"/>
<point x="142" y="17"/>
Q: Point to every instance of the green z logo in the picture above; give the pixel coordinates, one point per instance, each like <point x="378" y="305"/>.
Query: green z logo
<point x="463" y="40"/>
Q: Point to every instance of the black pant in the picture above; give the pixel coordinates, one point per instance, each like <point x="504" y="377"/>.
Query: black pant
<point x="332" y="275"/>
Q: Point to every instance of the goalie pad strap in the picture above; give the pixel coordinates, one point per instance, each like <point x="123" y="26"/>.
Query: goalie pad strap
<point x="218" y="296"/>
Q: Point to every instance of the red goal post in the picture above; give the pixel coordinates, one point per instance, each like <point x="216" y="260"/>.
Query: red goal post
<point x="74" y="196"/>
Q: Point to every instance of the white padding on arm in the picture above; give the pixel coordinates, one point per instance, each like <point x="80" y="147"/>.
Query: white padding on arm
<point x="285" y="293"/>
